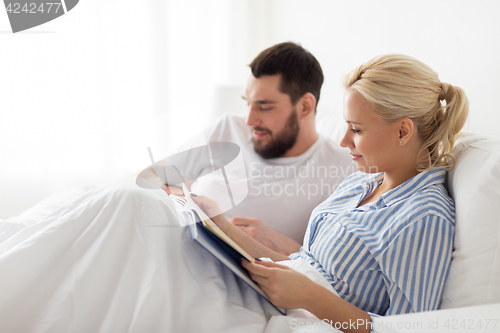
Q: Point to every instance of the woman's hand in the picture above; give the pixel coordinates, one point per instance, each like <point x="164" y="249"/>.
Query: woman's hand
<point x="254" y="248"/>
<point x="290" y="289"/>
<point x="284" y="286"/>
<point x="213" y="211"/>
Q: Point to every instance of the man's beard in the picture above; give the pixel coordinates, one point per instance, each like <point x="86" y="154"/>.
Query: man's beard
<point x="280" y="142"/>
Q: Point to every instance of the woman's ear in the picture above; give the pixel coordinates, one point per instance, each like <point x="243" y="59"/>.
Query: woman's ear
<point x="406" y="129"/>
<point x="307" y="105"/>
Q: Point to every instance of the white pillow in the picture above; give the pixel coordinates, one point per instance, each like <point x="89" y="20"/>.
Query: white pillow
<point x="474" y="184"/>
<point x="330" y="122"/>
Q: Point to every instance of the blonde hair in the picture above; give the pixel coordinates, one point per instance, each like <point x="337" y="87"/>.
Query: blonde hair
<point x="400" y="86"/>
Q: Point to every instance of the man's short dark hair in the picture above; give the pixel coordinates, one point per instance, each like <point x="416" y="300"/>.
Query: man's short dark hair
<point x="299" y="69"/>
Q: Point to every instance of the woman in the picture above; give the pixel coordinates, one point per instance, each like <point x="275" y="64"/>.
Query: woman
<point x="384" y="239"/>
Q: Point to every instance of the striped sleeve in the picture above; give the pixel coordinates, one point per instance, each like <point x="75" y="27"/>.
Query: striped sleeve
<point x="416" y="263"/>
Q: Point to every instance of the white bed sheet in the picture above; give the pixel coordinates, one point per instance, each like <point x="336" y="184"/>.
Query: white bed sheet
<point x="113" y="258"/>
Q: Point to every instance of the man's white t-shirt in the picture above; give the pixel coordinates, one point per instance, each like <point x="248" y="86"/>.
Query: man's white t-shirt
<point x="281" y="192"/>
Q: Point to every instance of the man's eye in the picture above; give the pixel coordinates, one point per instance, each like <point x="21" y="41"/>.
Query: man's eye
<point x="265" y="109"/>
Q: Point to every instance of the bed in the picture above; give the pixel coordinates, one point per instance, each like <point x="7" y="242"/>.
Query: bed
<point x="87" y="278"/>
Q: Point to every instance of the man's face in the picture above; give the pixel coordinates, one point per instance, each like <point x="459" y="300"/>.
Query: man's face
<point x="272" y="117"/>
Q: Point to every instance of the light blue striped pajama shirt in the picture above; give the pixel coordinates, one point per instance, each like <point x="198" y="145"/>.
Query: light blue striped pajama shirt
<point x="386" y="257"/>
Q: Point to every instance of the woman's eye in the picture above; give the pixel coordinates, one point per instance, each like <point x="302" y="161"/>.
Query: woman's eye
<point x="355" y="130"/>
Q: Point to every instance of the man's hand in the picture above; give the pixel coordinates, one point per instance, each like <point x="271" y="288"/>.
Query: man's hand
<point x="150" y="175"/>
<point x="176" y="190"/>
<point x="265" y="235"/>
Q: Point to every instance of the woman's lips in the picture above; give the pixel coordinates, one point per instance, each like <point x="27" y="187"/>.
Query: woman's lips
<point x="355" y="157"/>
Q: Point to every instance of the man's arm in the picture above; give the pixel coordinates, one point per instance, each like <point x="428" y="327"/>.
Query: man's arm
<point x="253" y="227"/>
<point x="266" y="235"/>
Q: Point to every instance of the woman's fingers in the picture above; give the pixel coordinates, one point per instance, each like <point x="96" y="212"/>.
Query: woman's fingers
<point x="263" y="268"/>
<point x="284" y="286"/>
<point x="208" y="205"/>
<point x="272" y="264"/>
<point x="260" y="280"/>
<point x="212" y="209"/>
<point x="240" y="221"/>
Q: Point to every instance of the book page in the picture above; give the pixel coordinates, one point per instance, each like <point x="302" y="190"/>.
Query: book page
<point x="209" y="224"/>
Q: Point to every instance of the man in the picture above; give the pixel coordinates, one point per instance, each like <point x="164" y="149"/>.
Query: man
<point x="290" y="169"/>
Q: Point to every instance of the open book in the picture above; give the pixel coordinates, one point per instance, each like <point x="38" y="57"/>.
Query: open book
<point x="193" y="214"/>
<point x="206" y="233"/>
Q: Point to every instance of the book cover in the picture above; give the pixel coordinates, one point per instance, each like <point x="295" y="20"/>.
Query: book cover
<point x="225" y="254"/>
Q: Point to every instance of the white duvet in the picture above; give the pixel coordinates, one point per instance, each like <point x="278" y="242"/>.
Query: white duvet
<point x="114" y="259"/>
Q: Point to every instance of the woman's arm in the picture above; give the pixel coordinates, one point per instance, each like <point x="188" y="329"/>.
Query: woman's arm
<point x="415" y="282"/>
<point x="266" y="235"/>
<point x="254" y="248"/>
<point x="290" y="289"/>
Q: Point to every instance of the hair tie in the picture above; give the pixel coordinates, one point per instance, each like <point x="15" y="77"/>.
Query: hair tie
<point x="445" y="87"/>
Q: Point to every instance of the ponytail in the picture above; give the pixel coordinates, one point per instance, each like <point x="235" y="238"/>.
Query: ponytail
<point x="450" y="118"/>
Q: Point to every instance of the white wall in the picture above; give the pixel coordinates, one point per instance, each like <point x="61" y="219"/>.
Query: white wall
<point x="82" y="97"/>
<point x="76" y="96"/>
<point x="458" y="39"/>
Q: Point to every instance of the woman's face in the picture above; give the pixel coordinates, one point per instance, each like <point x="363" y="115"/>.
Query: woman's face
<point x="371" y="141"/>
